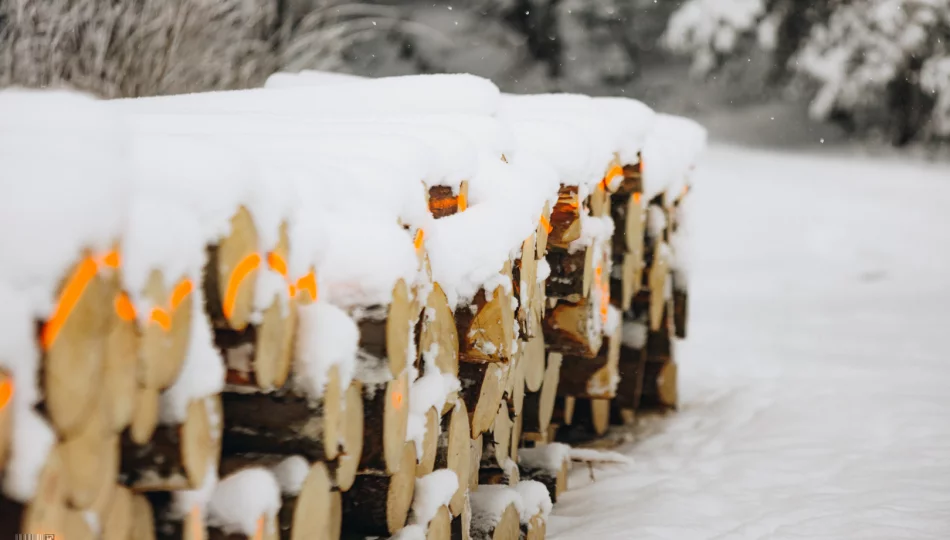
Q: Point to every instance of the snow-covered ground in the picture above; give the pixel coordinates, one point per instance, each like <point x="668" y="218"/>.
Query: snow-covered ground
<point x="815" y="383"/>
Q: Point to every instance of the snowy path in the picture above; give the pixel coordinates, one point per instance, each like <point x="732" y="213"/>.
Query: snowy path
<point x="815" y="384"/>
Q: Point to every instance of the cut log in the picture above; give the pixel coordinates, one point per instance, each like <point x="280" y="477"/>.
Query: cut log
<point x="117" y="520"/>
<point x="440" y="528"/>
<point x="438" y="335"/>
<point x="498" y="445"/>
<point x="46" y="511"/>
<point x="74" y="341"/>
<point x="352" y="429"/>
<point x="474" y="461"/>
<point x="507" y="526"/>
<point x="260" y="356"/>
<point x="76" y="527"/>
<point x="565" y="218"/>
<point x="145" y="416"/>
<point x="571" y="274"/>
<point x="165" y="337"/>
<point x="231" y="274"/>
<point x="178" y="456"/>
<point x="284" y="422"/>
<point x="483" y="386"/>
<point x="430" y="443"/>
<point x="534" y="529"/>
<point x="514" y="392"/>
<point x="267" y="529"/>
<point x="6" y="417"/>
<point x="143" y="522"/>
<point x="499" y="476"/>
<point x="462" y="523"/>
<point x="453" y="451"/>
<point x="628" y="214"/>
<point x="486" y="327"/>
<point x="632" y="178"/>
<point x="656" y="284"/>
<point x="592" y="377"/>
<point x="532" y="359"/>
<point x="573" y="328"/>
<point x="599" y="201"/>
<point x="121" y="371"/>
<point x="87" y="458"/>
<point x="378" y="503"/>
<point x="659" y="386"/>
<point x="539" y="406"/>
<point x="625" y="281"/>
<point x="659" y="347"/>
<point x="386" y="331"/>
<point x="525" y="278"/>
<point x="444" y="202"/>
<point x="385" y="417"/>
<point x="336" y="515"/>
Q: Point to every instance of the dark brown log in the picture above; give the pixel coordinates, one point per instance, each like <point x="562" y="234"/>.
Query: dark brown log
<point x="572" y="328"/>
<point x="231" y="274"/>
<point x="659" y="386"/>
<point x="483" y="386"/>
<point x="592" y="377"/>
<point x="378" y="503"/>
<point x="632" y="178"/>
<point x="486" y="326"/>
<point x="453" y="451"/>
<point x="284" y="422"/>
<point x="539" y="406"/>
<point x="385" y="331"/>
<point x="385" y="416"/>
<point x="565" y="218"/>
<point x="571" y="274"/>
<point x="630" y="386"/>
<point x="178" y="456"/>
<point x="680" y="306"/>
<point x="443" y="202"/>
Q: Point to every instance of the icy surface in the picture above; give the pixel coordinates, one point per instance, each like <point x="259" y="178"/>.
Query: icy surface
<point x="813" y="385"/>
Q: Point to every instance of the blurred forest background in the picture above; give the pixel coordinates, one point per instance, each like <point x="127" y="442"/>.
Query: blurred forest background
<point x="784" y="72"/>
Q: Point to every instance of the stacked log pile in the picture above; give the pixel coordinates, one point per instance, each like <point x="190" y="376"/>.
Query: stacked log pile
<point x="325" y="310"/>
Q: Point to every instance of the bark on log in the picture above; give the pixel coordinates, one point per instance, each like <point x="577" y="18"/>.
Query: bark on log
<point x="630" y="386"/>
<point x="483" y="386"/>
<point x="486" y="327"/>
<point x="385" y="417"/>
<point x="659" y="386"/>
<point x="230" y="276"/>
<point x="592" y="377"/>
<point x="565" y="218"/>
<point x="378" y="503"/>
<point x="571" y="274"/>
<point x="680" y="306"/>
<point x="74" y="341"/>
<point x="539" y="406"/>
<point x="590" y="419"/>
<point x="572" y="328"/>
<point x="385" y="331"/>
<point x="628" y="214"/>
<point x="453" y="452"/>
<point x="284" y="422"/>
<point x="178" y="456"/>
<point x="632" y="178"/>
<point x="444" y="202"/>
<point x="625" y="280"/>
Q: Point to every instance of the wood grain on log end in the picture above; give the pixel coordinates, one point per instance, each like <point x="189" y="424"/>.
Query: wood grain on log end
<point x="483" y="386"/>
<point x="352" y="429"/>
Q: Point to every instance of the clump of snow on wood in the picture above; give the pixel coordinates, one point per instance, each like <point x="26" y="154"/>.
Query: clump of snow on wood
<point x="613" y="320"/>
<point x="241" y="499"/>
<point x="590" y="455"/>
<point x="489" y="503"/>
<point x="364" y="259"/>
<point x="19" y="354"/>
<point x="634" y="334"/>
<point x="536" y="499"/>
<point x="433" y="491"/>
<point x="672" y="149"/>
<point x="326" y="337"/>
<point x="544" y="270"/>
<point x="410" y="532"/>
<point x="30" y="445"/>
<point x="549" y="457"/>
<point x="65" y="162"/>
<point x="632" y="122"/>
<point x="428" y="391"/>
<point x="184" y="502"/>
<point x="291" y="473"/>
<point x="460" y="93"/>
<point x="203" y="371"/>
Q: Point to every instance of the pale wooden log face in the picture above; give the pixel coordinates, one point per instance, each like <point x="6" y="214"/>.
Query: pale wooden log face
<point x="501" y="436"/>
<point x="399" y="328"/>
<point x="474" y="461"/>
<point x="401" y="488"/>
<point x="438" y="328"/>
<point x="633" y="225"/>
<point x="74" y="357"/>
<point x="273" y="350"/>
<point x="143" y="522"/>
<point x="562" y="476"/>
<point x="440" y="528"/>
<point x="458" y="450"/>
<point x="117" y="521"/>
<point x="145" y="416"/>
<point x="525" y="285"/>
<point x="395" y="419"/>
<point x="352" y="429"/>
<point x="516" y="437"/>
<point x="572" y="328"/>
<point x="509" y="526"/>
<point x="312" y="511"/>
<point x="430" y="444"/>
<point x="533" y="360"/>
<point x="197" y="443"/>
<point x="600" y="415"/>
<point x="632" y="277"/>
<point x="75" y="526"/>
<point x="85" y="458"/>
<point x="164" y="340"/>
<point x="336" y="515"/>
<point x="235" y="289"/>
<point x="47" y="511"/>
<point x="489" y="398"/>
<point x="537" y="528"/>
<point x="552" y="375"/>
<point x="659" y="273"/>
<point x="462" y="524"/>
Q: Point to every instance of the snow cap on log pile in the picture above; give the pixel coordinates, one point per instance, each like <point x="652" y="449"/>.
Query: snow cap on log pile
<point x="309" y="77"/>
<point x="671" y="151"/>
<point x="430" y="94"/>
<point x="326" y="337"/>
<point x="523" y="185"/>
<point x="433" y="491"/>
<point x="631" y="122"/>
<point x="65" y="159"/>
<point x="535" y="498"/>
<point x="469" y="250"/>
<point x="365" y="257"/>
<point x="202" y="373"/>
<point x="489" y="503"/>
<point x="241" y="499"/>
